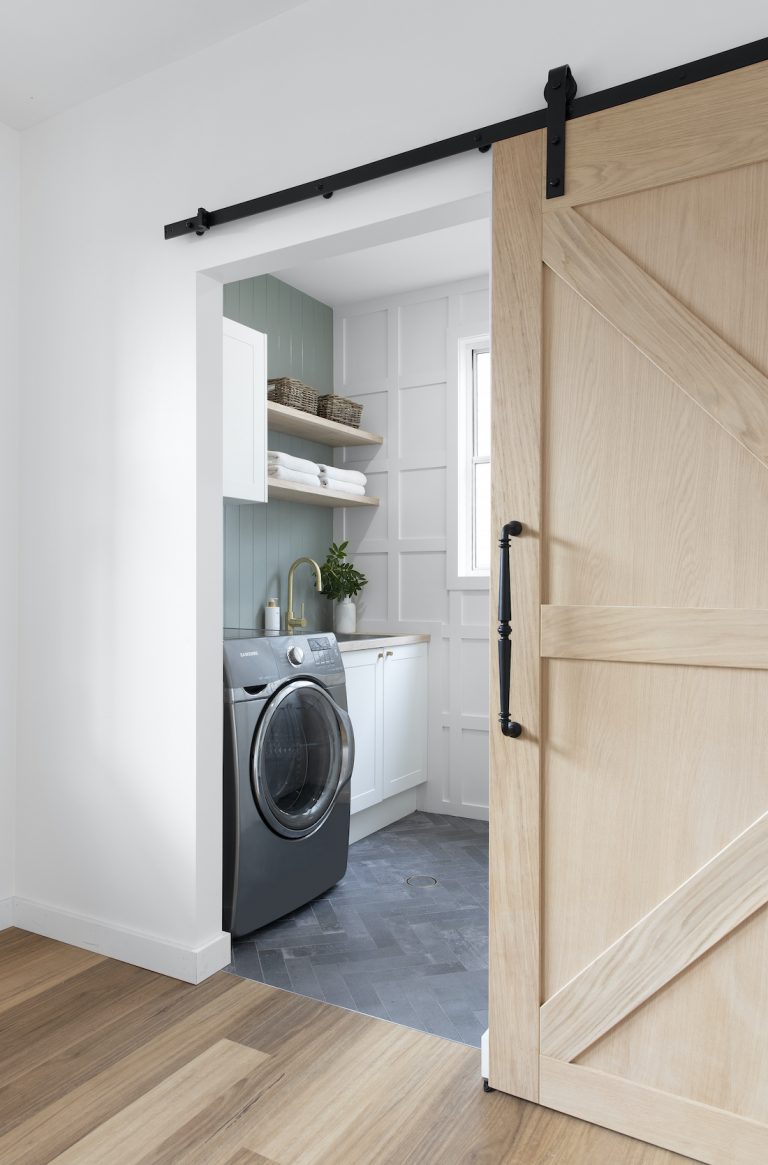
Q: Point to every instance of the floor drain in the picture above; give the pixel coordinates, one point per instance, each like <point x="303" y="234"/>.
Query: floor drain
<point x="421" y="880"/>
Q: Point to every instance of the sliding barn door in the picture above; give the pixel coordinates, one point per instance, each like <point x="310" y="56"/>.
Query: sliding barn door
<point x="629" y="821"/>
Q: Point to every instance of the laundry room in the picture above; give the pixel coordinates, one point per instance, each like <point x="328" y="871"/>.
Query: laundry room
<point x="356" y="613"/>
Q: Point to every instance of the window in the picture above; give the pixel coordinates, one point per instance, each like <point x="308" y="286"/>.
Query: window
<point x="474" y="453"/>
<point x="481" y="461"/>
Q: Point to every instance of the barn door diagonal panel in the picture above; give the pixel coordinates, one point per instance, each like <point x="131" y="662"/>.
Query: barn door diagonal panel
<point x="679" y="930"/>
<point x="717" y="378"/>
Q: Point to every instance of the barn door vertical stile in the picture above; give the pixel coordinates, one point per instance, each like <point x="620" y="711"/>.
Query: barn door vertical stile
<point x="515" y="778"/>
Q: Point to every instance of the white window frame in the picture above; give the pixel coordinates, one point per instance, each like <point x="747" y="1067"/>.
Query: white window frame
<point x="473" y="460"/>
<point x="462" y="575"/>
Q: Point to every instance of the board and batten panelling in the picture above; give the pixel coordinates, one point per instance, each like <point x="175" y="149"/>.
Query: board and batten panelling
<point x="399" y="358"/>
<point x="261" y="541"/>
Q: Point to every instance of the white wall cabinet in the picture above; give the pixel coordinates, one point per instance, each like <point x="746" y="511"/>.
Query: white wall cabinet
<point x="245" y="413"/>
<point x="387" y="695"/>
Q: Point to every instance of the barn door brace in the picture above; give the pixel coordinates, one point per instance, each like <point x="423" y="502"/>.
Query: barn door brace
<point x="562" y="106"/>
<point x="559" y="92"/>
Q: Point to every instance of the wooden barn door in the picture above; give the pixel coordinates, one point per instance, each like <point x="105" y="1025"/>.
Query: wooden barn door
<point x="629" y="821"/>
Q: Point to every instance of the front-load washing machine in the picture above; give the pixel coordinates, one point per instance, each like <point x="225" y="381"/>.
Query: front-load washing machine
<point x="288" y="756"/>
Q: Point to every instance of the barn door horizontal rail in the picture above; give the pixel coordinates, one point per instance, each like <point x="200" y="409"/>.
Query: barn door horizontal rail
<point x="478" y="139"/>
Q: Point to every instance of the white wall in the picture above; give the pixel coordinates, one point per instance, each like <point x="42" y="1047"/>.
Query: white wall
<point x="10" y="176"/>
<point x="399" y="357"/>
<point x="119" y="762"/>
<point x="119" y="719"/>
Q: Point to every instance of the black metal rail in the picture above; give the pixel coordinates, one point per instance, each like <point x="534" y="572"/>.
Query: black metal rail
<point x="479" y="139"/>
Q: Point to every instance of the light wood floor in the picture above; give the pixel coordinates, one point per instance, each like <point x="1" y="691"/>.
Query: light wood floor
<point x="105" y="1064"/>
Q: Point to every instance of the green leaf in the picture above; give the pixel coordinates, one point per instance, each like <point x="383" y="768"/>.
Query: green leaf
<point x="340" y="578"/>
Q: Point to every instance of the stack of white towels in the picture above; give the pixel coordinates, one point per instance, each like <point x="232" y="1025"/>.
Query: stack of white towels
<point x="286" y="467"/>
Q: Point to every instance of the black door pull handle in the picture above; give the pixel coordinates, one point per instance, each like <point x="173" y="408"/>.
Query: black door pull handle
<point x="508" y="726"/>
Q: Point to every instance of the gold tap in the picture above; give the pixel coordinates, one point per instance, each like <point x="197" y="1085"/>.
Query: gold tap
<point x="291" y="621"/>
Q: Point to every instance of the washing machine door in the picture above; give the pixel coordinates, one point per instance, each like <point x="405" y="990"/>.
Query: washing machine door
<point x="302" y="757"/>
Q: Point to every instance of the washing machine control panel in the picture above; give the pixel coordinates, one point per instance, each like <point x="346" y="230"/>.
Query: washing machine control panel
<point x="323" y="651"/>
<point x="254" y="661"/>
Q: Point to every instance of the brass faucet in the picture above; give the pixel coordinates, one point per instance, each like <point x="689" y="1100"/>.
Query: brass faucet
<point x="291" y="621"/>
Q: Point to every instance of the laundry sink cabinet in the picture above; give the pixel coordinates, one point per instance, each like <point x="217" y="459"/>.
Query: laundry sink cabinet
<point x="387" y="698"/>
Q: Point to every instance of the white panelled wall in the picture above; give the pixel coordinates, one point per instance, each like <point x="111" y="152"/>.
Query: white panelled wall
<point x="399" y="358"/>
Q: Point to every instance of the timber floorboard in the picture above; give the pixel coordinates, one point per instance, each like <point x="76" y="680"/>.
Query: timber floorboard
<point x="105" y="1063"/>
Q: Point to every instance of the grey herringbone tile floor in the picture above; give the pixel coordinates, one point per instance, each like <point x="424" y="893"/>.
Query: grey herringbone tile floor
<point x="417" y="955"/>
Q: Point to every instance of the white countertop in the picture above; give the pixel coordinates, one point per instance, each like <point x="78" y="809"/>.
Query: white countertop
<point x="365" y="642"/>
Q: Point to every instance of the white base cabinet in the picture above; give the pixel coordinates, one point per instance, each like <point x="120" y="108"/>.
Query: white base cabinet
<point x="387" y="699"/>
<point x="363" y="676"/>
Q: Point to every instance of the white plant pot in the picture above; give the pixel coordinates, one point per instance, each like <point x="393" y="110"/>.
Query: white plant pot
<point x="345" y="617"/>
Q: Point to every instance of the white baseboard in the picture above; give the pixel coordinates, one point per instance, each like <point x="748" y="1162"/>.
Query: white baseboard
<point x="451" y="809"/>
<point x="6" y="913"/>
<point x="189" y="964"/>
<point x="385" y="813"/>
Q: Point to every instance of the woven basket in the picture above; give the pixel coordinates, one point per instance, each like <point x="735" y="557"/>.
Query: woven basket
<point x="283" y="390"/>
<point x="338" y="408"/>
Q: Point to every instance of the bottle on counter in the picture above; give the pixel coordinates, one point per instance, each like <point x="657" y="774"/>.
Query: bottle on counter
<point x="272" y="615"/>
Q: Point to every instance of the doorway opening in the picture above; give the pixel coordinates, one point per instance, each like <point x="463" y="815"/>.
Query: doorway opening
<point x="401" y="329"/>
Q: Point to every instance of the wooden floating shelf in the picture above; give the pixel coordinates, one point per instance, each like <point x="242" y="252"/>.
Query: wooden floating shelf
<point x="315" y="495"/>
<point x="283" y="419"/>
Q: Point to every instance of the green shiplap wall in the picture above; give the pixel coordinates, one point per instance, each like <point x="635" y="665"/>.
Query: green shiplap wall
<point x="300" y="328"/>
<point x="261" y="541"/>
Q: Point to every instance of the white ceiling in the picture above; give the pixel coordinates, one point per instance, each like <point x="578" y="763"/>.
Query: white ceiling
<point x="443" y="256"/>
<point x="57" y="53"/>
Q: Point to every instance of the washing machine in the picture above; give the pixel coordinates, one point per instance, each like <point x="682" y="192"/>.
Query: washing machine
<point x="288" y="757"/>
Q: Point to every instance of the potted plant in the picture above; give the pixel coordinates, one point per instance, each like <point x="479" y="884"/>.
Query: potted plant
<point x="341" y="582"/>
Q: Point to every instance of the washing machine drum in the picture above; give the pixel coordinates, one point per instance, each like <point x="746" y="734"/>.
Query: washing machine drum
<point x="302" y="757"/>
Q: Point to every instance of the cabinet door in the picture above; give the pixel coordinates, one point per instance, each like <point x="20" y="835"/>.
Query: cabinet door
<point x="404" y="718"/>
<point x="245" y="413"/>
<point x="363" y="700"/>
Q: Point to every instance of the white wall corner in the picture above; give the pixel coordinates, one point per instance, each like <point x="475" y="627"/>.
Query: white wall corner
<point x="6" y="913"/>
<point x="10" y="234"/>
<point x="209" y="597"/>
<point x="190" y="964"/>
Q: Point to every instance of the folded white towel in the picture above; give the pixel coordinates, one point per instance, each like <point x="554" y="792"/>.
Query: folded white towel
<point x="288" y="461"/>
<point x="343" y="474"/>
<point x="343" y="487"/>
<point x="283" y="473"/>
